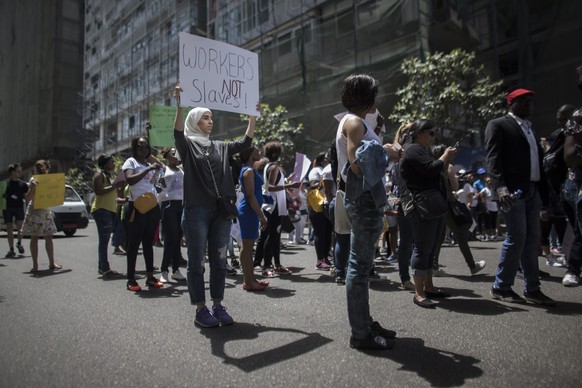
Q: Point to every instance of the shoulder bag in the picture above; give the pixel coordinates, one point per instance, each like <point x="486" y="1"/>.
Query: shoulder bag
<point x="226" y="206"/>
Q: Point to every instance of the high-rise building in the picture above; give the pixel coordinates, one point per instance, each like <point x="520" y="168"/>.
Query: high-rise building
<point x="131" y="62"/>
<point x="306" y="47"/>
<point x="41" y="70"/>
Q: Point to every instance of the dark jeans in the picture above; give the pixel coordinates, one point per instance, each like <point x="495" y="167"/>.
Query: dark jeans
<point x="269" y="242"/>
<point x="140" y="230"/>
<point x="104" y="219"/>
<point x="461" y="236"/>
<point x="119" y="231"/>
<point x="172" y="227"/>
<point x="426" y="234"/>
<point x="404" y="246"/>
<point x="341" y="253"/>
<point x="573" y="209"/>
<point x="559" y="223"/>
<point x="322" y="229"/>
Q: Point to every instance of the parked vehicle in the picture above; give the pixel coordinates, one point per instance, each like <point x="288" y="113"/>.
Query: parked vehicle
<point x="72" y="214"/>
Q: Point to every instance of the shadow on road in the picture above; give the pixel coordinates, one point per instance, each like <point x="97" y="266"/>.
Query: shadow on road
<point x="478" y="306"/>
<point x="42" y="273"/>
<point x="439" y="368"/>
<point x="246" y="331"/>
<point x="168" y="291"/>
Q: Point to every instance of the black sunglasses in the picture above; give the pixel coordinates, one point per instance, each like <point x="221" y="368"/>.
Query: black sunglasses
<point x="143" y="145"/>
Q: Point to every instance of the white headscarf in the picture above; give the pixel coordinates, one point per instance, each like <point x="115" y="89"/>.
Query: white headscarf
<point x="192" y="130"/>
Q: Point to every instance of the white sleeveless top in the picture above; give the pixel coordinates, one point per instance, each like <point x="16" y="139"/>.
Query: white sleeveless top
<point x="341" y="142"/>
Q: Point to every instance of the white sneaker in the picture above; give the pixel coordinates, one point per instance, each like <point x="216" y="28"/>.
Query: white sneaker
<point x="178" y="276"/>
<point x="479" y="265"/>
<point x="164" y="277"/>
<point x="554" y="261"/>
<point x="439" y="273"/>
<point x="570" y="280"/>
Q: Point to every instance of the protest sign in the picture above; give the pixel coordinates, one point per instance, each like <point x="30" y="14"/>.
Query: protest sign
<point x="302" y="164"/>
<point x="50" y="190"/>
<point x="161" y="118"/>
<point x="217" y="75"/>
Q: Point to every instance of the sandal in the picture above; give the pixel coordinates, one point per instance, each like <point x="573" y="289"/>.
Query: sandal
<point x="111" y="274"/>
<point x="55" y="266"/>
<point x="34" y="270"/>
<point x="257" y="287"/>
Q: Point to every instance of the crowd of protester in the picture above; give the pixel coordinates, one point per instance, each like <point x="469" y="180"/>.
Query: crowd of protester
<point x="363" y="203"/>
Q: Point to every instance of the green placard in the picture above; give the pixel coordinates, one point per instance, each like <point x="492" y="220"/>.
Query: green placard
<point x="162" y="120"/>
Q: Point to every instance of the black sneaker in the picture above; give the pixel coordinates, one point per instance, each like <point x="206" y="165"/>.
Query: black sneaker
<point x="372" y="342"/>
<point x="376" y="328"/>
<point x="10" y="254"/>
<point x="20" y="248"/>
<point x="235" y="263"/>
<point x="538" y="297"/>
<point x="506" y="296"/>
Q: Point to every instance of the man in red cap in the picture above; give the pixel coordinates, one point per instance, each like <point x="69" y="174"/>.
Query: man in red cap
<point x="515" y="167"/>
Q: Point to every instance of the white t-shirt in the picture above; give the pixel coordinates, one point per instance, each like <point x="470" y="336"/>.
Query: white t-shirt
<point x="490" y="204"/>
<point x="463" y="194"/>
<point x="143" y="186"/>
<point x="315" y="174"/>
<point x="174" y="190"/>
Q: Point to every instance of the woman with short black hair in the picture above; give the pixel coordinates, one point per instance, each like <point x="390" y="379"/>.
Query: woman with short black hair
<point x="421" y="172"/>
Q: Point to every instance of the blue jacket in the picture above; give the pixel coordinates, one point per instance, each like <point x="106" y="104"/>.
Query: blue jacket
<point x="373" y="161"/>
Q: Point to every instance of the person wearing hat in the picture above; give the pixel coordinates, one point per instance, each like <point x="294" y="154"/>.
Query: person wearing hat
<point x="104" y="209"/>
<point x="515" y="158"/>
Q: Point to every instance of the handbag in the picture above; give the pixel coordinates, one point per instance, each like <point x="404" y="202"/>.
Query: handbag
<point x="226" y="205"/>
<point x="342" y="223"/>
<point x="145" y="203"/>
<point x="430" y="204"/>
<point x="460" y="214"/>
<point x="315" y="199"/>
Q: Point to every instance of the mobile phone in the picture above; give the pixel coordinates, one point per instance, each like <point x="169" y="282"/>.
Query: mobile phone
<point x="396" y="146"/>
<point x="457" y="144"/>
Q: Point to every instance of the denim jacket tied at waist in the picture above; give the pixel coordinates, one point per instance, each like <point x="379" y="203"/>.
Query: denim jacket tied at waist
<point x="373" y="161"/>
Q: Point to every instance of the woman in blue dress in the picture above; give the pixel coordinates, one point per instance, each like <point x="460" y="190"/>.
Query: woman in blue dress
<point x="249" y="216"/>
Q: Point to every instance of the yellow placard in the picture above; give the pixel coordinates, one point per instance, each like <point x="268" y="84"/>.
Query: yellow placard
<point x="50" y="190"/>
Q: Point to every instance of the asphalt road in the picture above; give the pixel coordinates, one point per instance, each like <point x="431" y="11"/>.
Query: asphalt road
<point x="73" y="328"/>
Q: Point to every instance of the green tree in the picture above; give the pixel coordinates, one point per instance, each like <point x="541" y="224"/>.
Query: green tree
<point x="273" y="124"/>
<point x="451" y="90"/>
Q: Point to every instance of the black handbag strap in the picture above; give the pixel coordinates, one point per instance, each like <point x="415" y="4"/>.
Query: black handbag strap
<point x="206" y="154"/>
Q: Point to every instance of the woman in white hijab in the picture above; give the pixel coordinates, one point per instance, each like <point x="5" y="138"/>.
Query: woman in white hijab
<point x="207" y="178"/>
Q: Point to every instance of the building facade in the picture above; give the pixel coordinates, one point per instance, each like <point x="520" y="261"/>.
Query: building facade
<point x="41" y="70"/>
<point x="306" y="47"/>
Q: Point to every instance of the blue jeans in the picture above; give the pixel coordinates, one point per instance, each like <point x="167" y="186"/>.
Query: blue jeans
<point x="521" y="244"/>
<point x="105" y="220"/>
<point x="366" y="227"/>
<point x="204" y="226"/>
<point x="171" y="225"/>
<point x="426" y="234"/>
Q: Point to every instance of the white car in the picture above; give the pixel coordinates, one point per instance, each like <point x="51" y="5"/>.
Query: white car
<point x="72" y="214"/>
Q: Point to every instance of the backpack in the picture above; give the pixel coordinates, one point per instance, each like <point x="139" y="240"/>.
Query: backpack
<point x="554" y="164"/>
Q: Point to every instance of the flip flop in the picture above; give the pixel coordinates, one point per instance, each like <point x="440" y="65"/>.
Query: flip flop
<point x="55" y="266"/>
<point x="34" y="270"/>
